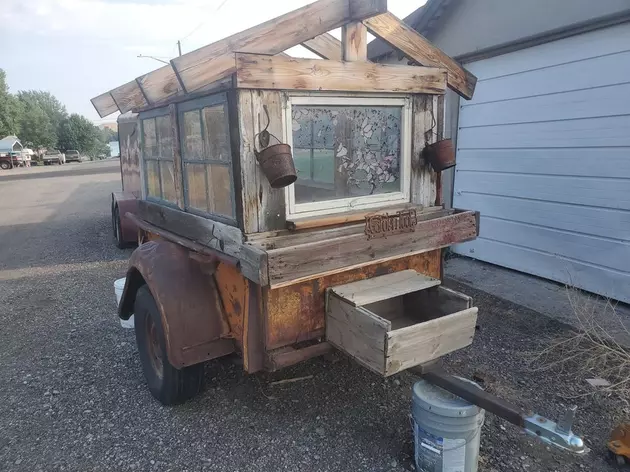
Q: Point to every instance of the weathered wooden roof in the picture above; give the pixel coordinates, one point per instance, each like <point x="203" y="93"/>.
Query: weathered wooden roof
<point x="201" y="70"/>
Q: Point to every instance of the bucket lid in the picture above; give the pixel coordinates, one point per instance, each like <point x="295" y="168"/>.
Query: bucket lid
<point x="435" y="399"/>
<point x="120" y="283"/>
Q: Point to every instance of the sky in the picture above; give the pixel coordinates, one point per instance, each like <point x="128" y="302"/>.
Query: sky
<point x="78" y="49"/>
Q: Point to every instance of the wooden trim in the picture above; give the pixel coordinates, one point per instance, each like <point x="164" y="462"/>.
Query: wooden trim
<point x="415" y="46"/>
<point x="215" y="61"/>
<point x="288" y="357"/>
<point x="423" y="188"/>
<point x="301" y="262"/>
<point x="342" y="218"/>
<point x="257" y="71"/>
<point x="325" y="46"/>
<point x="143" y="93"/>
<point x="104" y="104"/>
<point x="128" y="96"/>
<point x="354" y="42"/>
<point x="177" y="156"/>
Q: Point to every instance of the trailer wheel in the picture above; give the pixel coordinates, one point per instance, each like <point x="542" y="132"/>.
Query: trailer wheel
<point x="166" y="383"/>
<point x="118" y="236"/>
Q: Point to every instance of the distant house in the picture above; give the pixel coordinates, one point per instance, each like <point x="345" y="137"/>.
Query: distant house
<point x="543" y="147"/>
<point x="10" y="144"/>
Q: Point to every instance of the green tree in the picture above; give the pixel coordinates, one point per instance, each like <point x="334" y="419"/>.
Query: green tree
<point x="77" y="132"/>
<point x="10" y="109"/>
<point x="51" y="106"/>
<point x="36" y="130"/>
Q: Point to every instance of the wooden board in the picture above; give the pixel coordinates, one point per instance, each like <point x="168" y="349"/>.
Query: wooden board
<point x="357" y="332"/>
<point x="425" y="130"/>
<point x="263" y="206"/>
<point x="325" y="46"/>
<point x="383" y="287"/>
<point x="423" y="342"/>
<point x="213" y="234"/>
<point x="128" y="97"/>
<point x="354" y="42"/>
<point x="213" y="62"/>
<point x="104" y="104"/>
<point x="290" y="264"/>
<point x="160" y="85"/>
<point x="257" y="71"/>
<point x="413" y="45"/>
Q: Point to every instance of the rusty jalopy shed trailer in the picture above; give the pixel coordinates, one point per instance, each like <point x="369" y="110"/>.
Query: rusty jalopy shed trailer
<point x="347" y="256"/>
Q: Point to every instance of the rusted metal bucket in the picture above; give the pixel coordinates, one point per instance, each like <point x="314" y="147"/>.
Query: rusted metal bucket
<point x="276" y="162"/>
<point x="441" y="154"/>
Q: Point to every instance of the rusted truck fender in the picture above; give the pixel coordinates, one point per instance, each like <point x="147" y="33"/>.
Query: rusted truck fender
<point x="190" y="306"/>
<point x="126" y="202"/>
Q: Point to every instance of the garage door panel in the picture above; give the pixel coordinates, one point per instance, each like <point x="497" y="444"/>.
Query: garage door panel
<point x="594" y="250"/>
<point x="606" y="223"/>
<point x="560" y="78"/>
<point x="609" y="283"/>
<point x="593" y="162"/>
<point x="576" y="48"/>
<point x="595" y="192"/>
<point x="589" y="132"/>
<point x="603" y="101"/>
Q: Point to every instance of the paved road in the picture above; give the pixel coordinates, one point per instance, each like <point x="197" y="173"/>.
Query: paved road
<point x="72" y="396"/>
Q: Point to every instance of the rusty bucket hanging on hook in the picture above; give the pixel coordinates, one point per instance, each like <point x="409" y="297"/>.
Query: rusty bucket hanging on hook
<point x="276" y="161"/>
<point x="441" y="154"/>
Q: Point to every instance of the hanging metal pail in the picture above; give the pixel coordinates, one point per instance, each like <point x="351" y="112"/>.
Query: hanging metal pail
<point x="276" y="162"/>
<point x="441" y="155"/>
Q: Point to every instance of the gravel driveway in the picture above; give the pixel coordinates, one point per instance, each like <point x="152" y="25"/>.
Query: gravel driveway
<point x="72" y="396"/>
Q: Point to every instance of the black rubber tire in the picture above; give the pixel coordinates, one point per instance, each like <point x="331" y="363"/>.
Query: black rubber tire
<point x="168" y="385"/>
<point x="4" y="165"/>
<point x="118" y="236"/>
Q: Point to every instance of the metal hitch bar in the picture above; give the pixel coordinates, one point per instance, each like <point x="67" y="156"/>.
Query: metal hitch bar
<point x="554" y="434"/>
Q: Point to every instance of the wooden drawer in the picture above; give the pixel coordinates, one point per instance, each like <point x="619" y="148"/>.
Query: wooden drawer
<point x="397" y="321"/>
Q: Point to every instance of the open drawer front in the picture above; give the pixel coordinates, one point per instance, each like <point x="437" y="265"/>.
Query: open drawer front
<point x="397" y="321"/>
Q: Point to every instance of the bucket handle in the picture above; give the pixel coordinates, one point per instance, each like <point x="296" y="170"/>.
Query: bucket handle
<point x="264" y="136"/>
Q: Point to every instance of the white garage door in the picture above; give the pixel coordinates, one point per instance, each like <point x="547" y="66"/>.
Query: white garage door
<point x="544" y="155"/>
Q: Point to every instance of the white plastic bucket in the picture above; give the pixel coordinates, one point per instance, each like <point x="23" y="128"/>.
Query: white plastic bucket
<point x="119" y="286"/>
<point x="447" y="430"/>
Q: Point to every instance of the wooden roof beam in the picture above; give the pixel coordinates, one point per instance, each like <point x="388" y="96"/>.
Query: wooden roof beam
<point x="325" y="46"/>
<point x="216" y="61"/>
<point x="258" y="71"/>
<point x="354" y="42"/>
<point x="416" y="47"/>
<point x="128" y="96"/>
<point x="104" y="104"/>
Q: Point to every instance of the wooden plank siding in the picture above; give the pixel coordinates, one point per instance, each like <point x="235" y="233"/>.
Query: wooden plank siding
<point x="215" y="61"/>
<point x="256" y="71"/>
<point x="416" y="47"/>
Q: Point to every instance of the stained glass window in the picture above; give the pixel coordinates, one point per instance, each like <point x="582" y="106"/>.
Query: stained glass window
<point x="346" y="151"/>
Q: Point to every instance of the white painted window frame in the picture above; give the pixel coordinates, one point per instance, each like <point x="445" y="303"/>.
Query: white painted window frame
<point x="304" y="210"/>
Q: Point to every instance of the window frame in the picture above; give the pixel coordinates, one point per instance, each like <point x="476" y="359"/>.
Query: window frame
<point x="198" y="105"/>
<point x="327" y="207"/>
<point x="153" y="115"/>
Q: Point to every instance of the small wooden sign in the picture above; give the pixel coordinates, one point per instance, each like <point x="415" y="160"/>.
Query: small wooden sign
<point x="381" y="226"/>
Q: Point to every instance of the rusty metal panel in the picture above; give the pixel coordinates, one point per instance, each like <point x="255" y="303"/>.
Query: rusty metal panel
<point x="188" y="299"/>
<point x="234" y="291"/>
<point x="297" y="312"/>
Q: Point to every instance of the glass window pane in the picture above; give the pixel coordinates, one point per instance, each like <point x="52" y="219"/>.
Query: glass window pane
<point x="165" y="137"/>
<point x="149" y="137"/>
<point x="220" y="192"/>
<point x="216" y="136"/>
<point x="168" y="181"/>
<point x="191" y="139"/>
<point x="153" y="179"/>
<point x="196" y="186"/>
<point x="346" y="152"/>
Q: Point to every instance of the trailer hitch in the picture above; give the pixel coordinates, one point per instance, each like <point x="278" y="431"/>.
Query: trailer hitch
<point x="554" y="434"/>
